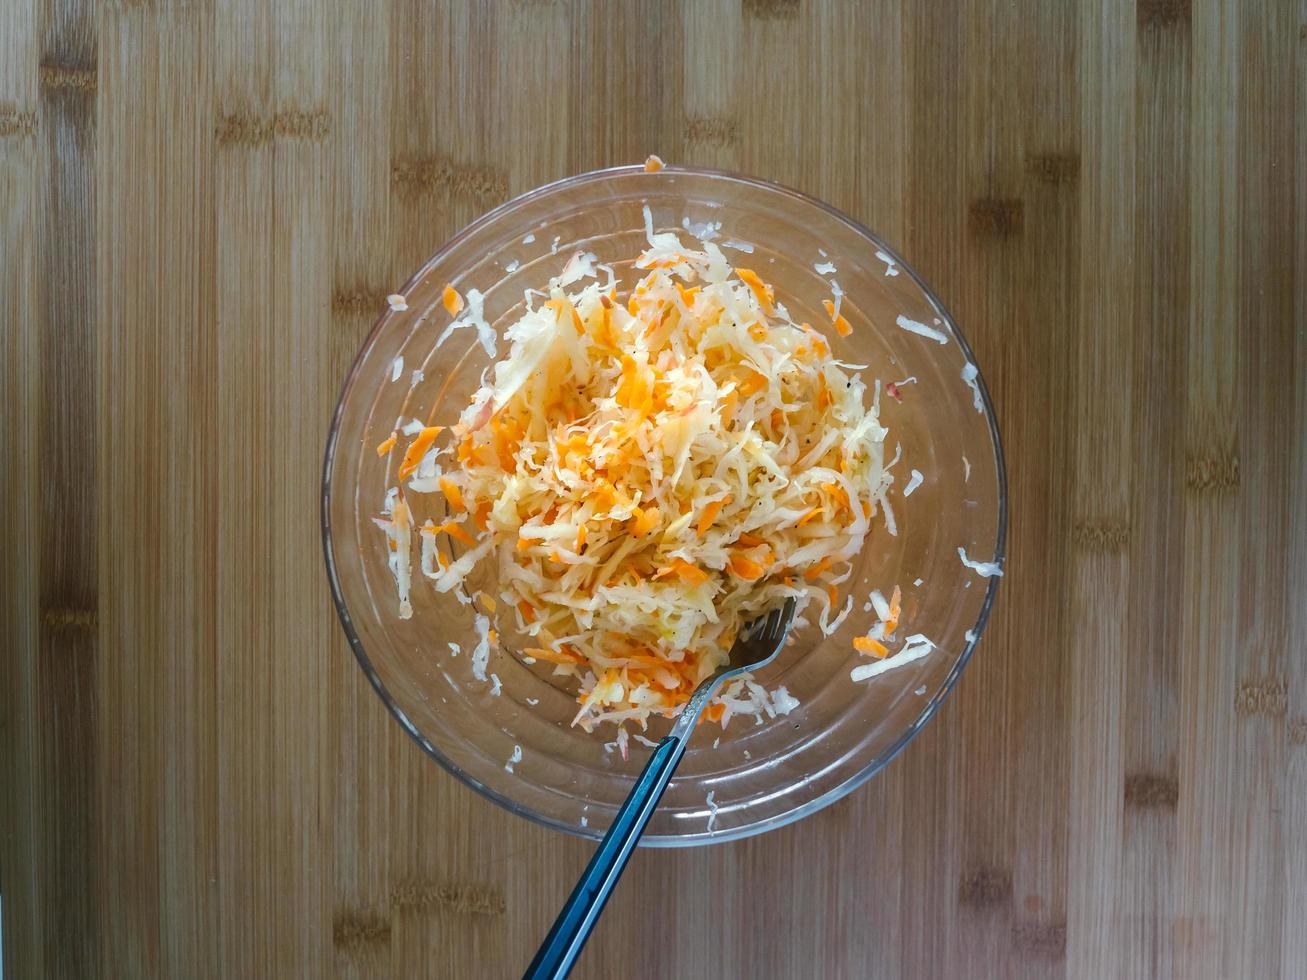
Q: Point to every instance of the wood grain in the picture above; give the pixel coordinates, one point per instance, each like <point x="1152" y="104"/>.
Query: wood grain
<point x="201" y="208"/>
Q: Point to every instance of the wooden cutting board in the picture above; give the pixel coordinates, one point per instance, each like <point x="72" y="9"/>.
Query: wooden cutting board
<point x="202" y="206"/>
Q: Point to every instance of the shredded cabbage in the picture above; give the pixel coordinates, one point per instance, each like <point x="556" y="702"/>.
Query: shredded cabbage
<point x="647" y="477"/>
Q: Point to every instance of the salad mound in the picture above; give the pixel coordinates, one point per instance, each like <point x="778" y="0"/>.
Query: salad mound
<point x="644" y="475"/>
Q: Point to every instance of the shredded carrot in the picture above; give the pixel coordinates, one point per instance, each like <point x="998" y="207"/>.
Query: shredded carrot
<point x="528" y="612"/>
<point x="842" y="326"/>
<point x="683" y="570"/>
<point x="553" y="656"/>
<point x="746" y="568"/>
<point x="417" y="449"/>
<point x="818" y="344"/>
<point x="753" y="384"/>
<point x="387" y="445"/>
<point x="645" y="520"/>
<point x="839" y="493"/>
<point x="895" y="608"/>
<point x="580" y="538"/>
<point x="823" y="395"/>
<point x="456" y="531"/>
<point x="710" y="512"/>
<point x="765" y="294"/>
<point x="452" y="300"/>
<point x="817" y="569"/>
<point x="715" y="711"/>
<point x="482" y="516"/>
<point x="653" y="164"/>
<point x="455" y="496"/>
<point x="747" y="540"/>
<point x="809" y="515"/>
<point x="865" y="644"/>
<point x="469" y="452"/>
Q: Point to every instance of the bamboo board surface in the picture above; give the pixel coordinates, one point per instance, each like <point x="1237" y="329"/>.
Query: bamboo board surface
<point x="202" y="206"/>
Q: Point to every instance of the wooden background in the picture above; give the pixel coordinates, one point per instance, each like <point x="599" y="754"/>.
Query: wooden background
<point x="202" y="206"/>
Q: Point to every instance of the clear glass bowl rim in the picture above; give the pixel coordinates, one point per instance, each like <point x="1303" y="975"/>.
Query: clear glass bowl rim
<point x="812" y="806"/>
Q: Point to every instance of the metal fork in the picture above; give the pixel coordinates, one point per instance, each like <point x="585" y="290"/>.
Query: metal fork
<point x="756" y="646"/>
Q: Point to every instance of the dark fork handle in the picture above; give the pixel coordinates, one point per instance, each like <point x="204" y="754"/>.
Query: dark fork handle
<point x="572" y="927"/>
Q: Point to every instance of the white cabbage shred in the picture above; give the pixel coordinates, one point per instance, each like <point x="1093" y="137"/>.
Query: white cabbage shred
<point x="969" y="374"/>
<point x="891" y="267"/>
<point x="986" y="569"/>
<point x="914" y="648"/>
<point x="913" y="326"/>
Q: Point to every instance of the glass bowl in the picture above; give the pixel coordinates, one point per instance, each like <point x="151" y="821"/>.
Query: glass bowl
<point x="761" y="775"/>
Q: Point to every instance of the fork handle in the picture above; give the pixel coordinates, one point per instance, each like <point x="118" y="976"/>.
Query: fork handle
<point x="572" y="927"/>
